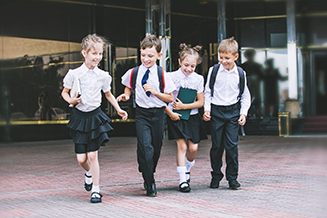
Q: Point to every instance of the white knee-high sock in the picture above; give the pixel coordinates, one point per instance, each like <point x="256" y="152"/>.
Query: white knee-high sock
<point x="96" y="189"/>
<point x="189" y="164"/>
<point x="88" y="179"/>
<point x="181" y="172"/>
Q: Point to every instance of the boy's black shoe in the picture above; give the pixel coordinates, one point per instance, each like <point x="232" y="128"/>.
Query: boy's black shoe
<point x="214" y="183"/>
<point x="151" y="191"/>
<point x="234" y="184"/>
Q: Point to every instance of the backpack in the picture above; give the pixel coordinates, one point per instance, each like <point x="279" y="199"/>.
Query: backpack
<point x="214" y="75"/>
<point x="133" y="81"/>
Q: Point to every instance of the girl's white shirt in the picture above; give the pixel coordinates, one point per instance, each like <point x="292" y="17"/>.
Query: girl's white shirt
<point x="193" y="81"/>
<point x="91" y="84"/>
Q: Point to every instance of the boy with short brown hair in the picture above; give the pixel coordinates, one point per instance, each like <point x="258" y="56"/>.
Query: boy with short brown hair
<point x="226" y="107"/>
<point x="150" y="102"/>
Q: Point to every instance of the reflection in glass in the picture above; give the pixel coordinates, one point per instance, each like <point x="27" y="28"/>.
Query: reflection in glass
<point x="273" y="81"/>
<point x="33" y="70"/>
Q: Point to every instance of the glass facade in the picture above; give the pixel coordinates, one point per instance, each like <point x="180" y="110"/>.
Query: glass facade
<point x="42" y="42"/>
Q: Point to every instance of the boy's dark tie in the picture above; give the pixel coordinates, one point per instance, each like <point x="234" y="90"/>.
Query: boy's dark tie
<point x="144" y="79"/>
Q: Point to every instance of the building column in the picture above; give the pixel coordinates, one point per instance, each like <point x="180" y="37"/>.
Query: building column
<point x="291" y="50"/>
<point x="148" y="17"/>
<point x="221" y="18"/>
<point x="164" y="34"/>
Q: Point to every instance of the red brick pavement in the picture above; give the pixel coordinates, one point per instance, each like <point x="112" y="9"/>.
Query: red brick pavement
<point x="280" y="177"/>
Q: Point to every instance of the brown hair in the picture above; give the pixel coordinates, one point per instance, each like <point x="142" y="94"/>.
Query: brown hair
<point x="185" y="50"/>
<point x="91" y="39"/>
<point x="228" y="45"/>
<point x="150" y="41"/>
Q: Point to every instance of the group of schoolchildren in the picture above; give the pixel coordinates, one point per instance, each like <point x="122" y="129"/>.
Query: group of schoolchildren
<point x="225" y="98"/>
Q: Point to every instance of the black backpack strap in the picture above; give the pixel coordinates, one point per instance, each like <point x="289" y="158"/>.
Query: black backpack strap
<point x="133" y="83"/>
<point x="242" y="82"/>
<point x="213" y="77"/>
<point x="161" y="79"/>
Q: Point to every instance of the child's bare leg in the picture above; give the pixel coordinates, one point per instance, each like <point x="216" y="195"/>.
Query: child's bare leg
<point x="181" y="152"/>
<point x="192" y="150"/>
<point x="95" y="168"/>
<point x="83" y="162"/>
<point x="181" y="168"/>
<point x="190" y="158"/>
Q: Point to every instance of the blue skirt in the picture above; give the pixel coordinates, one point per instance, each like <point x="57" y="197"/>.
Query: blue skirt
<point x="192" y="129"/>
<point x="89" y="130"/>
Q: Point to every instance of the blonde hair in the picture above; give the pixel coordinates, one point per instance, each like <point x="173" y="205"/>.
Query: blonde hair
<point x="150" y="41"/>
<point x="90" y="40"/>
<point x="228" y="45"/>
<point x="185" y="50"/>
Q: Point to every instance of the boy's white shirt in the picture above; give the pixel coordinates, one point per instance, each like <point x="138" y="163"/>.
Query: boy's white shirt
<point x="141" y="99"/>
<point x="226" y="90"/>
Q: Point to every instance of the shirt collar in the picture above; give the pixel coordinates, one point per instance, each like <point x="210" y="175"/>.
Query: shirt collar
<point x="154" y="67"/>
<point x="221" y="68"/>
<point x="84" y="69"/>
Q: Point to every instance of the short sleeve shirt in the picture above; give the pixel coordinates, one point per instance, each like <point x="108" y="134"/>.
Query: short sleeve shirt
<point x="193" y="81"/>
<point x="141" y="99"/>
<point x="91" y="84"/>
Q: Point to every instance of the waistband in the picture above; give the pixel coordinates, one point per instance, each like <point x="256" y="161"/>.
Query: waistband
<point x="228" y="106"/>
<point x="149" y="109"/>
<point x="89" y="113"/>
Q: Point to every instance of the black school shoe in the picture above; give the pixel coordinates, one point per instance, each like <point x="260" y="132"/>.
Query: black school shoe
<point x="234" y="184"/>
<point x="88" y="187"/>
<point x="185" y="188"/>
<point x="96" y="197"/>
<point x="214" y="183"/>
<point x="152" y="190"/>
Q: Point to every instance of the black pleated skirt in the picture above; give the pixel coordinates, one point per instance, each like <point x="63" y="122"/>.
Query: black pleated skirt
<point x="192" y="129"/>
<point x="89" y="130"/>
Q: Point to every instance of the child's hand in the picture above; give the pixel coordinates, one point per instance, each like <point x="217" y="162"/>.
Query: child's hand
<point x="175" y="116"/>
<point x="123" y="114"/>
<point x="122" y="97"/>
<point x="149" y="88"/>
<point x="206" y="116"/>
<point x="242" y="120"/>
<point x="178" y="105"/>
<point x="75" y="100"/>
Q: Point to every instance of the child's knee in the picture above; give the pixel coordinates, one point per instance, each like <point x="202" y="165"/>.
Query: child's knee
<point x="81" y="158"/>
<point x="92" y="156"/>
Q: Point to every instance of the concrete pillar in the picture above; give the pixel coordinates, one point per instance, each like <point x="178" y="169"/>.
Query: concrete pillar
<point x="221" y="18"/>
<point x="291" y="50"/>
<point x="148" y="18"/>
<point x="164" y="34"/>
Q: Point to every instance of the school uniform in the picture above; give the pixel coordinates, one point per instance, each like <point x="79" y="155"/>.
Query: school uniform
<point x="225" y="110"/>
<point x="88" y="124"/>
<point x="192" y="129"/>
<point x="149" y="120"/>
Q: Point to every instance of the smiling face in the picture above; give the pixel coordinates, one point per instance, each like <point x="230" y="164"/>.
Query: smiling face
<point x="227" y="59"/>
<point x="188" y="64"/>
<point x="149" y="56"/>
<point x="93" y="57"/>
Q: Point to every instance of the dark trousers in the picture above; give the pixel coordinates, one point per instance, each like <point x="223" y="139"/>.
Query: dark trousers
<point x="224" y="136"/>
<point x="149" y="131"/>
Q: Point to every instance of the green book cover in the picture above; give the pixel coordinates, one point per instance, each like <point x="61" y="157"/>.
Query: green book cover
<point x="186" y="96"/>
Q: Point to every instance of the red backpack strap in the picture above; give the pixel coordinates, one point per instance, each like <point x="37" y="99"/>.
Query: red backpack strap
<point x="130" y="82"/>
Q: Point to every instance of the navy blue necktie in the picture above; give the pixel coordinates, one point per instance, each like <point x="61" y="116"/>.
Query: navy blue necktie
<point x="144" y="79"/>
